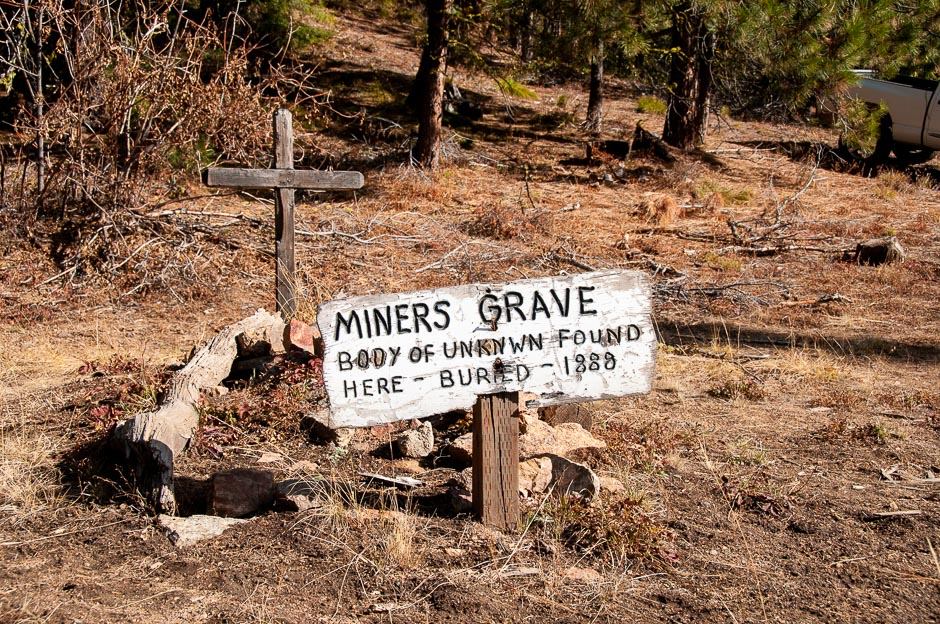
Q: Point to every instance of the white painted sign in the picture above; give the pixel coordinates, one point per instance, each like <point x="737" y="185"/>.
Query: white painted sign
<point x="565" y="339"/>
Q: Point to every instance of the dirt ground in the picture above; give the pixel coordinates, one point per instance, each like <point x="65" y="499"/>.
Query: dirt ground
<point x="797" y="393"/>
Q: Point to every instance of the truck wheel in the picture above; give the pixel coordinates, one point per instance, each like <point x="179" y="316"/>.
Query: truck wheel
<point x="879" y="154"/>
<point x="910" y="155"/>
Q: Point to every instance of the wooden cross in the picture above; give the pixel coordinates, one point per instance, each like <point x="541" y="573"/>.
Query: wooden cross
<point x="285" y="180"/>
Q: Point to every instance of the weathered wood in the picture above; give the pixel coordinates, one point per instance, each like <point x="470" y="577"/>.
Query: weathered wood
<point x="566" y="339"/>
<point x="496" y="460"/>
<point x="234" y="177"/>
<point x="285" y="282"/>
<point x="151" y="440"/>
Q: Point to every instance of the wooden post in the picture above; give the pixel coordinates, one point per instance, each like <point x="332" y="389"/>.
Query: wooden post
<point x="285" y="294"/>
<point x="496" y="460"/>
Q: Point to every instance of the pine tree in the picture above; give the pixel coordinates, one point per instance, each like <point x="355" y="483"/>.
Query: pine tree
<point x="430" y="81"/>
<point x="774" y="54"/>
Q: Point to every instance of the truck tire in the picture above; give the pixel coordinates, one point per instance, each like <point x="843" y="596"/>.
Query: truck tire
<point x="910" y="155"/>
<point x="880" y="153"/>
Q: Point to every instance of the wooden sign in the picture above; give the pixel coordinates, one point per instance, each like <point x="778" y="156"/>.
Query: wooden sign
<point x="564" y="339"/>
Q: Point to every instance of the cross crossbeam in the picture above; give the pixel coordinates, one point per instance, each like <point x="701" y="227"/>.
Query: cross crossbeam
<point x="284" y="179"/>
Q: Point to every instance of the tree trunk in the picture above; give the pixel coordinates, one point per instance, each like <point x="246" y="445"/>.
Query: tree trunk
<point x="690" y="77"/>
<point x="431" y="111"/>
<point x="420" y="84"/>
<point x="526" y="27"/>
<point x="595" y="111"/>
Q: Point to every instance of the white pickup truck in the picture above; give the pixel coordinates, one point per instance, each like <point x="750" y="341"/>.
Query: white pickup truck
<point x="911" y="129"/>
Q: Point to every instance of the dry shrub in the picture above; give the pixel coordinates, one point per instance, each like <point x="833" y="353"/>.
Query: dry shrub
<point x="733" y="389"/>
<point x="874" y="432"/>
<point x="503" y="223"/>
<point x="398" y="539"/>
<point x="615" y="530"/>
<point x="891" y="181"/>
<point x="663" y="210"/>
<point x="412" y="186"/>
<point x="143" y="98"/>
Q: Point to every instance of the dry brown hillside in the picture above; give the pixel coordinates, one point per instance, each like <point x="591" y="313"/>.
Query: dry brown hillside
<point x="796" y="410"/>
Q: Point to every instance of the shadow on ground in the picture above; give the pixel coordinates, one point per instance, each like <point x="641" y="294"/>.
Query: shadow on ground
<point x="836" y="160"/>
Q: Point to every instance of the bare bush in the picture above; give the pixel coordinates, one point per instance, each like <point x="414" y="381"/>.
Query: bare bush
<point x="136" y="99"/>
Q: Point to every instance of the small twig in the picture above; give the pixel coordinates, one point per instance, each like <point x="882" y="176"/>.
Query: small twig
<point x="887" y="515"/>
<point x="557" y="257"/>
<point x="933" y="554"/>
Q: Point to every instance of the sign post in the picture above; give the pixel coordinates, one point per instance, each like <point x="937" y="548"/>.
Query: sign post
<point x="284" y="179"/>
<point x="496" y="460"/>
<point x="563" y="339"/>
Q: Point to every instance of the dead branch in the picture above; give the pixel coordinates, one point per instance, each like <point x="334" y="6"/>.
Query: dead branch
<point x="773" y="250"/>
<point x="151" y="441"/>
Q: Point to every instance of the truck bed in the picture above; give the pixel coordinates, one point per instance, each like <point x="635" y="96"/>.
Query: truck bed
<point x="907" y="100"/>
<point x="923" y="84"/>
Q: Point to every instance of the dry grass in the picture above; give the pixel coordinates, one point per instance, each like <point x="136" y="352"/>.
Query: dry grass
<point x="398" y="536"/>
<point x="29" y="480"/>
<point x="662" y="210"/>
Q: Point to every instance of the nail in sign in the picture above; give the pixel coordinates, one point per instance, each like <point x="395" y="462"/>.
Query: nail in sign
<point x="565" y="339"/>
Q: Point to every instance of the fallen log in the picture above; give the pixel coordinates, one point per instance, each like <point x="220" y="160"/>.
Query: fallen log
<point x="150" y="441"/>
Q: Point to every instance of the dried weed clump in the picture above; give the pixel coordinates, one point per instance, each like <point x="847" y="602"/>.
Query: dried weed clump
<point x="615" y="530"/>
<point x="503" y="223"/>
<point x="892" y="182"/>
<point x="662" y="210"/>
<point x="29" y="480"/>
<point x="734" y="389"/>
<point x="399" y="531"/>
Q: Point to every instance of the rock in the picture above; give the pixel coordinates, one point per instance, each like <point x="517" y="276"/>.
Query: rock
<point x="304" y="467"/>
<point x="878" y="251"/>
<point x="461" y="449"/>
<point x="535" y="475"/>
<point x="300" y="494"/>
<point x="240" y="492"/>
<point x="186" y="531"/>
<point x="343" y="436"/>
<point x="316" y="424"/>
<point x="578" y="413"/>
<point x="416" y="443"/>
<point x="527" y="414"/>
<point x="407" y="466"/>
<point x="540" y="438"/>
<point x="269" y="457"/>
<point x="610" y="484"/>
<point x="463" y="479"/>
<point x="296" y="502"/>
<point x="570" y="477"/>
<point x="461" y="500"/>
<point x="302" y="337"/>
<point x="588" y="576"/>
